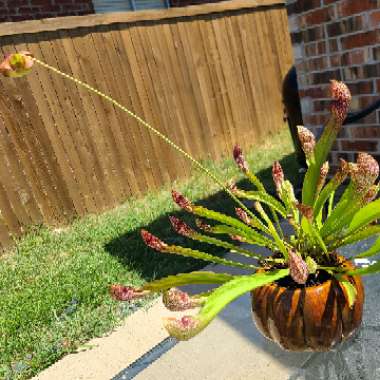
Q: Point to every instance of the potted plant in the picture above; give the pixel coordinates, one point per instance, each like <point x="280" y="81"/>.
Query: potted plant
<point x="305" y="296"/>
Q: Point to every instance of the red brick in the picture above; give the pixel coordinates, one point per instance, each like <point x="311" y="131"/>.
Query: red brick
<point x="321" y="105"/>
<point x="21" y="17"/>
<point x="318" y="64"/>
<point x="315" y="119"/>
<point x="355" y="57"/>
<point x="358" y="88"/>
<point x="17" y="3"/>
<point x="333" y="45"/>
<point x="321" y="47"/>
<point x="349" y="25"/>
<point x="365" y="101"/>
<point x="343" y="134"/>
<point x="19" y="10"/>
<point x="375" y="19"/>
<point x="370" y="119"/>
<point x="361" y="39"/>
<point x="376" y="53"/>
<point x="351" y="7"/>
<point x="27" y="10"/>
<point x="335" y="60"/>
<point x="315" y="92"/>
<point x="313" y="34"/>
<point x="319" y="16"/>
<point x="378" y="85"/>
<point x="345" y="156"/>
<point x="311" y="49"/>
<point x="302" y="6"/>
<point x="41" y="2"/>
<point x="359" y="145"/>
<point x="352" y="73"/>
<point x="365" y="132"/>
<point x="326" y="76"/>
<point x="371" y="70"/>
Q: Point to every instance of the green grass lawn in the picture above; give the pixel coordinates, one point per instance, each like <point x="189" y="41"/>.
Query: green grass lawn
<point x="54" y="283"/>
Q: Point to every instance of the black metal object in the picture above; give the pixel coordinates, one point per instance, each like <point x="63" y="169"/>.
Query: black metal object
<point x="293" y="110"/>
<point x="353" y="117"/>
<point x="146" y="360"/>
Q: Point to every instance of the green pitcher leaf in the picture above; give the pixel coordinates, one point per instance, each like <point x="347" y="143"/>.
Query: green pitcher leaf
<point x="341" y="207"/>
<point x="373" y="250"/>
<point x="313" y="233"/>
<point x="187" y="279"/>
<point x="190" y="326"/>
<point x="255" y="181"/>
<point x="321" y="151"/>
<point x="364" y="216"/>
<point x="265" y="198"/>
<point x="252" y="238"/>
<point x="229" y="220"/>
<point x="224" y="244"/>
<point x="188" y="252"/>
<point x="324" y="195"/>
<point x="280" y="243"/>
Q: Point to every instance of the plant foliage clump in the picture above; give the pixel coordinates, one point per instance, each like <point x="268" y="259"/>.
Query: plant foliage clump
<point x="320" y="222"/>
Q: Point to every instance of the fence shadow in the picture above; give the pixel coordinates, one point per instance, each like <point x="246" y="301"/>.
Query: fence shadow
<point x="130" y="250"/>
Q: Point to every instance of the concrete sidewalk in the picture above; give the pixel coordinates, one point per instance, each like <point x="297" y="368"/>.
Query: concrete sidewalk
<point x="230" y="348"/>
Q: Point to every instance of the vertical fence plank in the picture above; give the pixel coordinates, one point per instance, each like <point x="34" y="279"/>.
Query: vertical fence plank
<point x="158" y="101"/>
<point x="130" y="165"/>
<point x="173" y="121"/>
<point x="216" y="87"/>
<point x="186" y="89"/>
<point x="240" y="113"/>
<point x="138" y="104"/>
<point x="147" y="84"/>
<point x="15" y="152"/>
<point x="76" y="125"/>
<point x="195" y="61"/>
<point x="163" y="45"/>
<point x="56" y="202"/>
<point x="91" y="125"/>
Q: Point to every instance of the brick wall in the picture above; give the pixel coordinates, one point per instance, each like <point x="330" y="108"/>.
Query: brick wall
<point x="18" y="10"/>
<point x="338" y="39"/>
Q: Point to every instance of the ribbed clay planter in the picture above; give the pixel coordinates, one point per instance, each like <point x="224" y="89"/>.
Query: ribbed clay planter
<point x="313" y="318"/>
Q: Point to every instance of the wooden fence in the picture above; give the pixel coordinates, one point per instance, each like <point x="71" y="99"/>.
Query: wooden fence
<point x="207" y="76"/>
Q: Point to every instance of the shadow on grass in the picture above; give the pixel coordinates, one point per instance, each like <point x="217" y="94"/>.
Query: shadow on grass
<point x="130" y="250"/>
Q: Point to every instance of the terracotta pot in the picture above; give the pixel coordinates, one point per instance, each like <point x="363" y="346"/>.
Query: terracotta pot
<point x="311" y="318"/>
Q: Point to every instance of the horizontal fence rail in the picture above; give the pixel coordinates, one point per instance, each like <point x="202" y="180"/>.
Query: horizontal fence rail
<point x="206" y="76"/>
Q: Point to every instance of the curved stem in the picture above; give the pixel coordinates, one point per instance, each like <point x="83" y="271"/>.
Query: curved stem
<point x="148" y="126"/>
